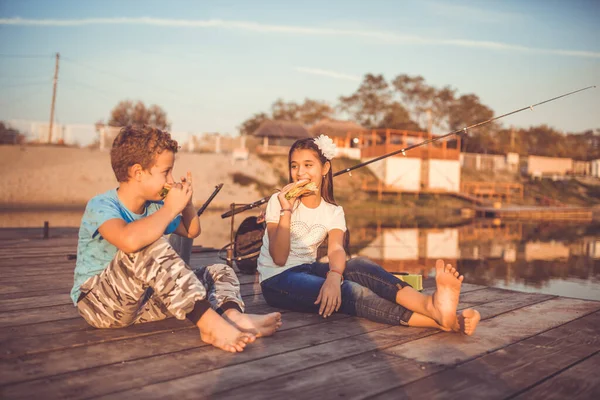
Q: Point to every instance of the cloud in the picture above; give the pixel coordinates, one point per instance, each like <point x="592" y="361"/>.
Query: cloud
<point x="465" y="12"/>
<point x="331" y="74"/>
<point x="389" y="37"/>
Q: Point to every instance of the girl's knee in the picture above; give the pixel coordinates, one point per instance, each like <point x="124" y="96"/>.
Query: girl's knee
<point x="361" y="264"/>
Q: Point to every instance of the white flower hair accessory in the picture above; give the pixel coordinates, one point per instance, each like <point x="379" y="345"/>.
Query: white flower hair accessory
<point x="326" y="145"/>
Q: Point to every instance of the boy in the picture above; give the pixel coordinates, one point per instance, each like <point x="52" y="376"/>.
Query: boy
<point x="127" y="272"/>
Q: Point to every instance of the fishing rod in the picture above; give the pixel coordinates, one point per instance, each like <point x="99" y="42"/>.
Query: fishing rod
<point x="457" y="132"/>
<point x="212" y="196"/>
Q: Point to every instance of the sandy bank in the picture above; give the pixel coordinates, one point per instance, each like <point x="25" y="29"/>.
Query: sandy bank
<point x="68" y="177"/>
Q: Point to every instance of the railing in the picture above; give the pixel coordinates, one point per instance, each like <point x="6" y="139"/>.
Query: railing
<point x="424" y="152"/>
<point x="502" y="190"/>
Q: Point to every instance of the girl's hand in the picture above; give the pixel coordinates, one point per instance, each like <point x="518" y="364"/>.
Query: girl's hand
<point x="330" y="295"/>
<point x="285" y="203"/>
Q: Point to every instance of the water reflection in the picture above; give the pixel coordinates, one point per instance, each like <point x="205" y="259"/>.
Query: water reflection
<point x="559" y="259"/>
<point x="546" y="258"/>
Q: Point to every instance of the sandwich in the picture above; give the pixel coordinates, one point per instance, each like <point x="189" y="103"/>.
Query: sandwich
<point x="163" y="192"/>
<point x="298" y="191"/>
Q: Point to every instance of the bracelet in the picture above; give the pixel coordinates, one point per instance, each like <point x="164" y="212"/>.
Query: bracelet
<point x="337" y="272"/>
<point x="286" y="209"/>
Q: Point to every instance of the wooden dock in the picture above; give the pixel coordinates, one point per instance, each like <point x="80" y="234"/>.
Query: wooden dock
<point x="536" y="213"/>
<point x="527" y="346"/>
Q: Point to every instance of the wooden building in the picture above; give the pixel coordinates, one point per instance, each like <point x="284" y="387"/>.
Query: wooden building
<point x="278" y="136"/>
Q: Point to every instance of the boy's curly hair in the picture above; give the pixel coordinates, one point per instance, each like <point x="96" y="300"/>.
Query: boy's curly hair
<point x="138" y="145"/>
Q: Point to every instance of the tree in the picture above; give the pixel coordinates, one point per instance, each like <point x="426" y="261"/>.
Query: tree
<point x="281" y="110"/>
<point x="10" y="135"/>
<point x="312" y="111"/>
<point x="420" y="99"/>
<point x="397" y="117"/>
<point x="252" y="123"/>
<point x="370" y="103"/>
<point x="127" y="113"/>
<point x="308" y="113"/>
<point x="467" y="110"/>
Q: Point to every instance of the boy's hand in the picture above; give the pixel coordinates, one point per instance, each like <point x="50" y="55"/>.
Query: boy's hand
<point x="188" y="179"/>
<point x="178" y="197"/>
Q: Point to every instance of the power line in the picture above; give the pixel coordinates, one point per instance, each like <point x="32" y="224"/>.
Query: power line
<point x="133" y="80"/>
<point x="26" y="84"/>
<point x="69" y="82"/>
<point x="123" y="77"/>
<point x="26" y="56"/>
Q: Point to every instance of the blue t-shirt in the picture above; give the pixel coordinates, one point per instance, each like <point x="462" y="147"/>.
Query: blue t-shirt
<point x="93" y="252"/>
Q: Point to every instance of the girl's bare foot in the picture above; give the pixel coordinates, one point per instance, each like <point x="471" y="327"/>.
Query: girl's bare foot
<point x="258" y="325"/>
<point x="468" y="320"/>
<point x="445" y="299"/>
<point x="216" y="331"/>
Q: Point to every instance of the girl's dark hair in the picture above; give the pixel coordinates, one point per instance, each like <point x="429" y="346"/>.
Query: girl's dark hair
<point x="327" y="181"/>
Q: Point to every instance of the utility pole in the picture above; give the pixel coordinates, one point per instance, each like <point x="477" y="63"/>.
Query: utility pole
<point x="429" y="121"/>
<point x="512" y="138"/>
<point x="53" y="98"/>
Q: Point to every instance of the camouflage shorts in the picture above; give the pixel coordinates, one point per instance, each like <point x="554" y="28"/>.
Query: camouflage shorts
<point x="151" y="285"/>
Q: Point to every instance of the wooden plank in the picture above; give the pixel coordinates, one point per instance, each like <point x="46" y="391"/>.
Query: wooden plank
<point x="67" y="311"/>
<point x="34" y="315"/>
<point x="168" y="347"/>
<point x="44" y="328"/>
<point x="17" y="347"/>
<point x="26" y="300"/>
<point x="498" y="332"/>
<point x="37" y="293"/>
<point x="264" y="368"/>
<point x="24" y="303"/>
<point x="59" y="277"/>
<point x="578" y="382"/>
<point x="512" y="369"/>
<point x="210" y="382"/>
<point x="366" y="374"/>
<point x="23" y="343"/>
<point x="62" y="281"/>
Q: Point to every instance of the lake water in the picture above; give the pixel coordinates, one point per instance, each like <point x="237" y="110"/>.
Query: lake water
<point x="559" y="259"/>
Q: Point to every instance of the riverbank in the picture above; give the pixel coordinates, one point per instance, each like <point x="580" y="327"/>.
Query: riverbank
<point x="36" y="177"/>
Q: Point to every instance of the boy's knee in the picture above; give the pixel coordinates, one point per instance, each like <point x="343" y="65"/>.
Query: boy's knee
<point x="221" y="272"/>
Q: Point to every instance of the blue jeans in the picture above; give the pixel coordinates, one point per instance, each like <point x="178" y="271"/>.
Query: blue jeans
<point x="368" y="291"/>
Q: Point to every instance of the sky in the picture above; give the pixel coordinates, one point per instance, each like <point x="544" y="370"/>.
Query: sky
<point x="212" y="64"/>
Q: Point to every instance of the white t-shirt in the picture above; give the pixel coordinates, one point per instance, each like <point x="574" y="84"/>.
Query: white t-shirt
<point x="308" y="228"/>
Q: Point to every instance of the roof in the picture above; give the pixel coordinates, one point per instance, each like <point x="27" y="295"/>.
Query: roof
<point x="282" y="129"/>
<point x="333" y="127"/>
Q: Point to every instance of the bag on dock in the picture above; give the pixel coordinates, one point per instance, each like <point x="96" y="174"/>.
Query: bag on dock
<point x="414" y="280"/>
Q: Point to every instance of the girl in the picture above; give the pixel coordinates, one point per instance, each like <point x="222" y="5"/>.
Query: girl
<point x="291" y="278"/>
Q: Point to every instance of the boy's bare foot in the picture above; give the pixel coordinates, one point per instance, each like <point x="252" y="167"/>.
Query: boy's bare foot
<point x="216" y="331"/>
<point x="258" y="325"/>
<point x="445" y="298"/>
<point x="468" y="320"/>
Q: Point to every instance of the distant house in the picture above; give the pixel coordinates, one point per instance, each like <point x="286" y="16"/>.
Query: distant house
<point x="595" y="168"/>
<point x="345" y="134"/>
<point x="490" y="162"/>
<point x="582" y="168"/>
<point x="539" y="167"/>
<point x="434" y="167"/>
<point x="278" y="136"/>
